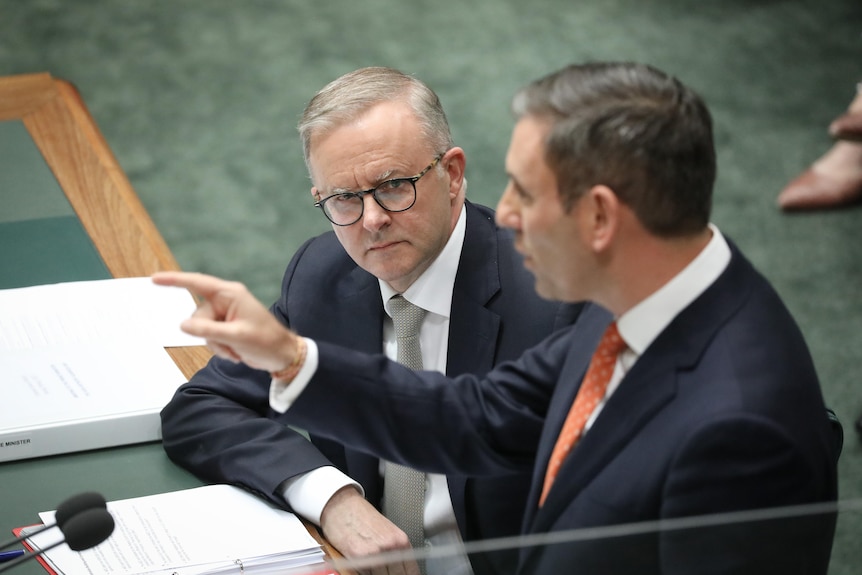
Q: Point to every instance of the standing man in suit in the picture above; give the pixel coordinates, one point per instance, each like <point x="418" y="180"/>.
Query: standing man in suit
<point x="387" y="175"/>
<point x="685" y="388"/>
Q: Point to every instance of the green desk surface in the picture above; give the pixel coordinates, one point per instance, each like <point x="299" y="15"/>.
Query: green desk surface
<point x="34" y="485"/>
<point x="41" y="239"/>
<point x="27" y="185"/>
<point x="45" y="251"/>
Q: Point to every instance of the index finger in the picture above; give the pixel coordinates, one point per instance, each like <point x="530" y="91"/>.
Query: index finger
<point x="202" y="285"/>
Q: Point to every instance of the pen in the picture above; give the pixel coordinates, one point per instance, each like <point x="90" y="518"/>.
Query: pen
<point x="10" y="555"/>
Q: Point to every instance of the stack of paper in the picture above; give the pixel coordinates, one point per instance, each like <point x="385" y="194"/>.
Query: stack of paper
<point x="84" y="364"/>
<point x="202" y="531"/>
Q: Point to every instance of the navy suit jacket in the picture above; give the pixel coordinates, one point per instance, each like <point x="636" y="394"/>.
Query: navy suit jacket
<point x="723" y="412"/>
<point x="220" y="427"/>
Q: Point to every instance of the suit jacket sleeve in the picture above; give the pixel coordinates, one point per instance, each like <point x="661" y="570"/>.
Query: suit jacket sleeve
<point x="494" y="421"/>
<point x="219" y="425"/>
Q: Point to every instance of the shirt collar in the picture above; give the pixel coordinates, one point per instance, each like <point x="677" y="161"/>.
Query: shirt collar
<point x="642" y="324"/>
<point x="432" y="291"/>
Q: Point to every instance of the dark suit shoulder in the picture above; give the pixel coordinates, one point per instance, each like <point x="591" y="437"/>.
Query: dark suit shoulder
<point x="322" y="287"/>
<point x="318" y="259"/>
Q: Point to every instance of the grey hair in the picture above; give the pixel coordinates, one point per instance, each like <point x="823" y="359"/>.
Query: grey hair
<point x="349" y="96"/>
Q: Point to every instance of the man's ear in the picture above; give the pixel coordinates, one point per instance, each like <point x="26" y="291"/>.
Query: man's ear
<point x="315" y="194"/>
<point x="455" y="162"/>
<point x="603" y="216"/>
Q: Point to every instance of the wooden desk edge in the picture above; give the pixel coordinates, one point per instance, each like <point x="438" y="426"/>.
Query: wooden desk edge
<point x="77" y="153"/>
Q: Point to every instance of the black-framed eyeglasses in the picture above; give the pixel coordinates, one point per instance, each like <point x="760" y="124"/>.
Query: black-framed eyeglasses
<point x="395" y="195"/>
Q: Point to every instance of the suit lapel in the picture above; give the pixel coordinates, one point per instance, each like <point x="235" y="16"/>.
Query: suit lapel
<point x="473" y="328"/>
<point x="357" y="323"/>
<point x="643" y="392"/>
<point x="585" y="337"/>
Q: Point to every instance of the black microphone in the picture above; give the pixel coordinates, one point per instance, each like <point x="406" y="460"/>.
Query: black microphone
<point x="87" y="529"/>
<point x="65" y="511"/>
<point x="82" y="531"/>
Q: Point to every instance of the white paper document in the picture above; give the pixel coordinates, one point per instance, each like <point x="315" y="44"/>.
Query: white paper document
<point x="125" y="309"/>
<point x="71" y="397"/>
<point x="83" y="364"/>
<point x="206" y="530"/>
<point x="70" y="382"/>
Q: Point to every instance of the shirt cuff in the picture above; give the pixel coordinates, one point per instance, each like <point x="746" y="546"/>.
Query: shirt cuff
<point x="308" y="494"/>
<point x="283" y="394"/>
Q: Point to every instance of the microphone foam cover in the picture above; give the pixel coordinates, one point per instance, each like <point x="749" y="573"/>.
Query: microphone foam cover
<point x="88" y="528"/>
<point x="76" y="504"/>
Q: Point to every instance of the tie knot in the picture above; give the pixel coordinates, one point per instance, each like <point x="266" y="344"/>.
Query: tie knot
<point x="611" y="344"/>
<point x="406" y="316"/>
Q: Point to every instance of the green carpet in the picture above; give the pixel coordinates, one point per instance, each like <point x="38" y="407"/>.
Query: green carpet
<point x="199" y="99"/>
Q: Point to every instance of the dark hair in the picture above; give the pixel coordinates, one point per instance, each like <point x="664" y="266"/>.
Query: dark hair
<point x="634" y="129"/>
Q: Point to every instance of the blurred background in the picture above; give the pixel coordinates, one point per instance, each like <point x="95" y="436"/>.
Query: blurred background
<point x="199" y="100"/>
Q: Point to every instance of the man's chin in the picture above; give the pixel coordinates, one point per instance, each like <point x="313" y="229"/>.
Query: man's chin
<point x="547" y="290"/>
<point x="543" y="289"/>
<point x="385" y="270"/>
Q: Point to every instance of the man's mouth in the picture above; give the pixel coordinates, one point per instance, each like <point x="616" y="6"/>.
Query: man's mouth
<point x="382" y="246"/>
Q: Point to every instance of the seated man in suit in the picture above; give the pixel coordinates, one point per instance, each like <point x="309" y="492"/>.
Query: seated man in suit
<point x="685" y="388"/>
<point x="389" y="178"/>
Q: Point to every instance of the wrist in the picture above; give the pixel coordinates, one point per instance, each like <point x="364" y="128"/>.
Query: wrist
<point x="288" y="373"/>
<point x="339" y="500"/>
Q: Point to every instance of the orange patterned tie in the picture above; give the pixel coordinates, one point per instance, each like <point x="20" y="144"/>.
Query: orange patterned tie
<point x="589" y="395"/>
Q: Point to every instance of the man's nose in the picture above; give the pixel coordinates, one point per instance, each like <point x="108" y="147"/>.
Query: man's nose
<point x="506" y="213"/>
<point x="374" y="217"/>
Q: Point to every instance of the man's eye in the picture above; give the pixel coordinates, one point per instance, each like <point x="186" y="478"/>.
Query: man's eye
<point x="392" y="185"/>
<point x="344" y="198"/>
<point x="520" y="192"/>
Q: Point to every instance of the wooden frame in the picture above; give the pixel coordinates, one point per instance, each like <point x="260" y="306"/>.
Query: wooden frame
<point x="98" y="190"/>
<point x="95" y="185"/>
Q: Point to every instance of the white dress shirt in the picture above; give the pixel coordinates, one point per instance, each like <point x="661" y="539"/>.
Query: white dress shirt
<point x="643" y="323"/>
<point x="307" y="494"/>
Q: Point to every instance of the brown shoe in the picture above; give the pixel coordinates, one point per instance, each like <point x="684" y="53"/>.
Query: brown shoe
<point x="847" y="127"/>
<point x="816" y="191"/>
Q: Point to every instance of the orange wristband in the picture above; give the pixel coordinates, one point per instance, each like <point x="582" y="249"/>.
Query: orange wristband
<point x="288" y="373"/>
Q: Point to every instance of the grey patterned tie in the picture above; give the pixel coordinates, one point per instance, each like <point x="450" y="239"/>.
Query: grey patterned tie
<point x="404" y="488"/>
